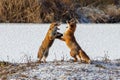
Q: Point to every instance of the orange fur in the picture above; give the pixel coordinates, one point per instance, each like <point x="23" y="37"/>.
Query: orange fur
<point x="48" y="41"/>
<point x="71" y="42"/>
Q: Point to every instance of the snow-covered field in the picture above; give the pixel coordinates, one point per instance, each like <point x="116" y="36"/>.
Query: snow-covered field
<point x="21" y="41"/>
<point x="58" y="70"/>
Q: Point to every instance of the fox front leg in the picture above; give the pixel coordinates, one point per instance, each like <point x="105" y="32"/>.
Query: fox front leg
<point x="60" y="36"/>
<point x="57" y="35"/>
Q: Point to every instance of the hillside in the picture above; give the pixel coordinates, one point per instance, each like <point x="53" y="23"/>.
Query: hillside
<point x="62" y="70"/>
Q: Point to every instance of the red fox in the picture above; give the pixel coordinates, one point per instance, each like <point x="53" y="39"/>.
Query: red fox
<point x="48" y="41"/>
<point x="70" y="40"/>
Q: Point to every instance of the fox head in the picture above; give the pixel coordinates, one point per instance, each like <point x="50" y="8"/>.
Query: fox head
<point x="54" y="27"/>
<point x="71" y="25"/>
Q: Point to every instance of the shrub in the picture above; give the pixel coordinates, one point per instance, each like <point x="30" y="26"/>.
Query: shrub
<point x="20" y="11"/>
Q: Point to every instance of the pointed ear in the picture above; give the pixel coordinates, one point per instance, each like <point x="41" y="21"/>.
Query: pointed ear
<point x="73" y="20"/>
<point x="57" y="23"/>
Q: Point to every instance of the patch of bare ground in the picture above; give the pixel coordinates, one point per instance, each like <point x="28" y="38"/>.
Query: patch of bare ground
<point x="8" y="69"/>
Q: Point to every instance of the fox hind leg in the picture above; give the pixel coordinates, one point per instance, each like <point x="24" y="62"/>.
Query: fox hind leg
<point x="40" y="56"/>
<point x="84" y="57"/>
<point x="73" y="54"/>
<point x="45" y="55"/>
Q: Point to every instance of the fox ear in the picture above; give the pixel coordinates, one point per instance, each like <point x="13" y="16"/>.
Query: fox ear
<point x="57" y="23"/>
<point x="73" y="20"/>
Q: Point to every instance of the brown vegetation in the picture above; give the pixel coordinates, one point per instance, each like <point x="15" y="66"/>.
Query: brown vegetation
<point x="20" y="11"/>
<point x="41" y="11"/>
<point x="8" y="69"/>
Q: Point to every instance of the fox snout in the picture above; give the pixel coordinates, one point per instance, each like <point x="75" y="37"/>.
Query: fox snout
<point x="58" y="28"/>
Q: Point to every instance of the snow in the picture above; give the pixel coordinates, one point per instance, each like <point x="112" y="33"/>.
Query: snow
<point x="19" y="42"/>
<point x="70" y="71"/>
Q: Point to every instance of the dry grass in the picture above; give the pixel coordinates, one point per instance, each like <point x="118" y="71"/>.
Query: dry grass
<point x="7" y="68"/>
<point x="20" y="11"/>
<point x="44" y="11"/>
<point x="56" y="10"/>
<point x="34" y="11"/>
<point x="113" y="12"/>
<point x="14" y="68"/>
<point x="3" y="64"/>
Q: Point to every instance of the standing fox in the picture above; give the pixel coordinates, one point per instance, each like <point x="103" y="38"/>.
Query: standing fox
<point x="48" y="41"/>
<point x="69" y="38"/>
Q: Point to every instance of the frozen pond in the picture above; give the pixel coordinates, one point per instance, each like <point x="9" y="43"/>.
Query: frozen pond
<point x="21" y="41"/>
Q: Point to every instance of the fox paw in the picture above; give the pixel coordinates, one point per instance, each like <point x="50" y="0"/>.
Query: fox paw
<point x="59" y="35"/>
<point x="71" y="60"/>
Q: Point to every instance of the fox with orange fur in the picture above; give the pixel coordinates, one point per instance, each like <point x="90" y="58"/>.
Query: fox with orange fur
<point x="70" y="40"/>
<point x="48" y="41"/>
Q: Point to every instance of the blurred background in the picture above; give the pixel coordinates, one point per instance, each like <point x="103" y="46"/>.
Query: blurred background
<point x="46" y="11"/>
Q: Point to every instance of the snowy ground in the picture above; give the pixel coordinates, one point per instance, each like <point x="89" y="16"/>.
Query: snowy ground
<point x="65" y="70"/>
